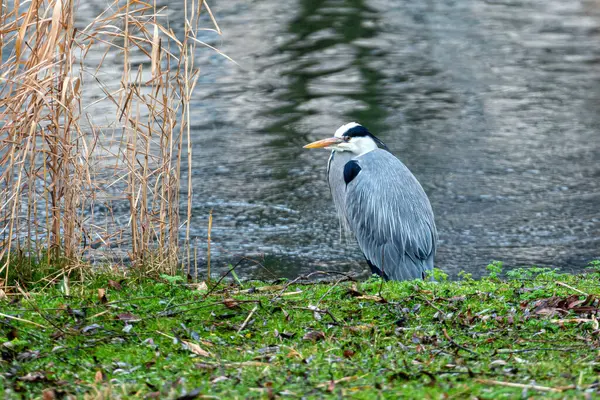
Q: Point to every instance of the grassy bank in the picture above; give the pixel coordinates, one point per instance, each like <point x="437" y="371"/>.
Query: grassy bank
<point x="534" y="334"/>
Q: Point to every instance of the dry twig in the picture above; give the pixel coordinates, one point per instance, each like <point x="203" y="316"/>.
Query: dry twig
<point x="248" y="319"/>
<point x="524" y="386"/>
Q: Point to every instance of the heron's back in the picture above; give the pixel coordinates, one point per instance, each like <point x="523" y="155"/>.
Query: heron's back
<point x="391" y="217"/>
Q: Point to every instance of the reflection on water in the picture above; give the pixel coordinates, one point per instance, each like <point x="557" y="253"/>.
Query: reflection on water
<point x="492" y="104"/>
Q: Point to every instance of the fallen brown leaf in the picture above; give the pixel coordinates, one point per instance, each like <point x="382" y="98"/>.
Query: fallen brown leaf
<point x="549" y="311"/>
<point x="294" y="354"/>
<point x="331" y="387"/>
<point x="34" y="377"/>
<point x="99" y="377"/>
<point x="556" y="304"/>
<point x="314" y="336"/>
<point x="196" y="349"/>
<point x="353" y="291"/>
<point x="128" y="317"/>
<point x="231" y="303"/>
<point x="287" y="335"/>
<point x="102" y="296"/>
<point x="115" y="285"/>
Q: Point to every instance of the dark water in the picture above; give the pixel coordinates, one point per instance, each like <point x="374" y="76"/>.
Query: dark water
<point x="494" y="105"/>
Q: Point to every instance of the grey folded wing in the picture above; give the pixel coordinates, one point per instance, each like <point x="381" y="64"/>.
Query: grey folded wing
<point x="391" y="217"/>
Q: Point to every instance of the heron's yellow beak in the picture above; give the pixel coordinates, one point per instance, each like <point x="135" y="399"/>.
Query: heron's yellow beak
<point x="324" y="143"/>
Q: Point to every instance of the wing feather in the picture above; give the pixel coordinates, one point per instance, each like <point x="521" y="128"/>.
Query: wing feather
<point x="391" y="217"/>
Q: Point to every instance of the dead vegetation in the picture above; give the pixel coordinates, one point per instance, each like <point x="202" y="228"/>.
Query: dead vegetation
<point x="68" y="158"/>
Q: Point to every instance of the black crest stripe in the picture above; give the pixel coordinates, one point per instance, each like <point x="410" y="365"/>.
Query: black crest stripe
<point x="361" y="131"/>
<point x="357" y="131"/>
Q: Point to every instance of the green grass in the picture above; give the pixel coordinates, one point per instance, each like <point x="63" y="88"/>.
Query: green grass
<point x="420" y="340"/>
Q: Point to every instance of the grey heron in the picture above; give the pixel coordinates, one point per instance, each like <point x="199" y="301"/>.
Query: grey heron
<point x="381" y="202"/>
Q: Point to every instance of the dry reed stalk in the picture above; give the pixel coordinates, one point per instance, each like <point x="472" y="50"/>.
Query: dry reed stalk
<point x="60" y="172"/>
<point x="210" y="220"/>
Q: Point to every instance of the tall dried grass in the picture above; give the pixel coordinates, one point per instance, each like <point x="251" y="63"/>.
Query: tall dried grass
<point x="62" y="172"/>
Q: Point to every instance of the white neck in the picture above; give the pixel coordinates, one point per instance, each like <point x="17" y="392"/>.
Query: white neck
<point x="364" y="145"/>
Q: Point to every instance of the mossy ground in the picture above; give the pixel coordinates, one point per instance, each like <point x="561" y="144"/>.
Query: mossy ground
<point x="166" y="339"/>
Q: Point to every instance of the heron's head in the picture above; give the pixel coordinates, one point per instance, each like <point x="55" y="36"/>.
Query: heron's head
<point x="351" y="137"/>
